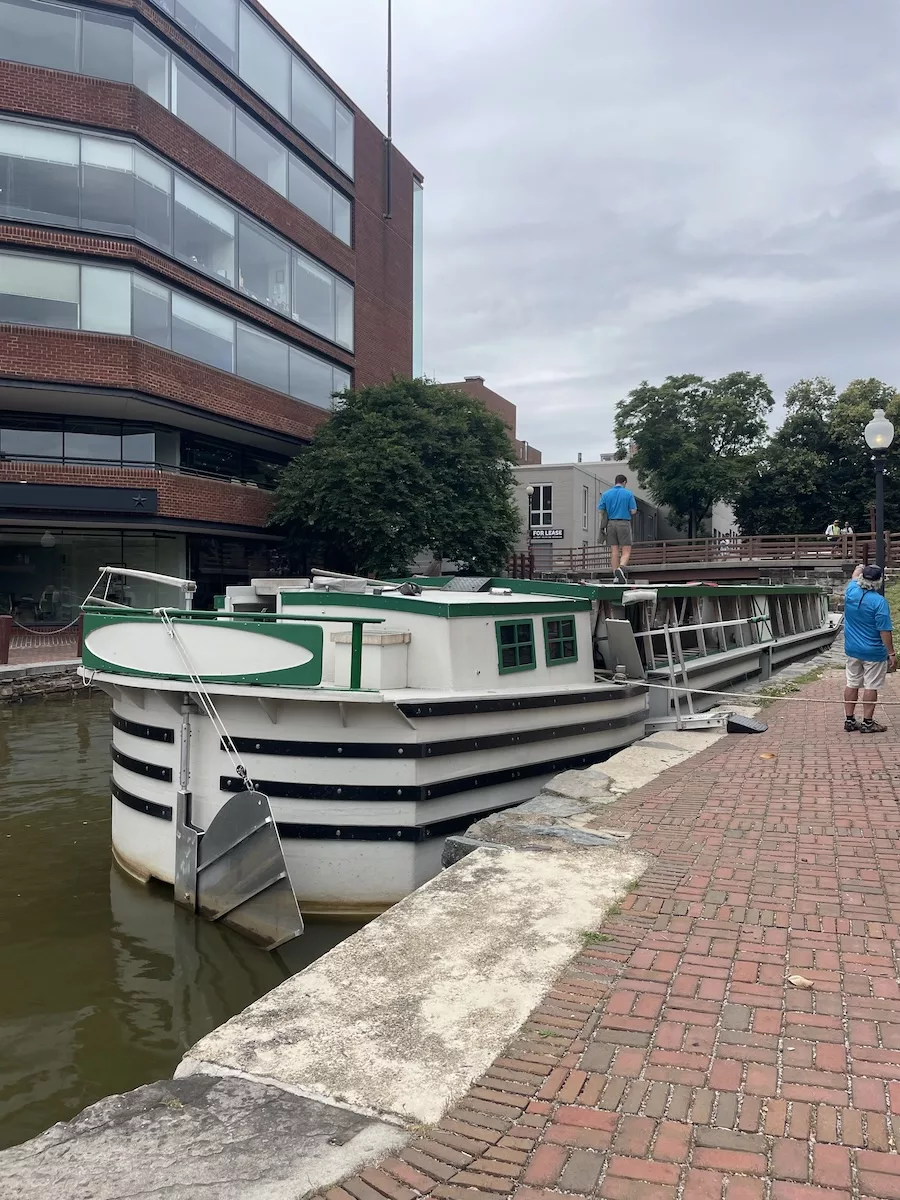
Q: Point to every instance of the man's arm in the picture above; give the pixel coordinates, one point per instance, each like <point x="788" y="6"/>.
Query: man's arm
<point x="888" y="638"/>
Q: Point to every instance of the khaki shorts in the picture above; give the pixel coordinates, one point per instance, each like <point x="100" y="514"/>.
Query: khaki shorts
<point x="864" y="674"/>
<point x="618" y="533"/>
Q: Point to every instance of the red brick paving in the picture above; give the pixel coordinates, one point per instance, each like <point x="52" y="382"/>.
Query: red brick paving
<point x="672" y="1059"/>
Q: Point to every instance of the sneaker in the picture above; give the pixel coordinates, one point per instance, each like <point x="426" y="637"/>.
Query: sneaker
<point x="619" y="575"/>
<point x="872" y="727"/>
<point x="851" y="725"/>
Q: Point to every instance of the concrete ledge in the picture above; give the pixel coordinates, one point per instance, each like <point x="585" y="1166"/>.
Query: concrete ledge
<point x="402" y="1017"/>
<point x="225" y="1139"/>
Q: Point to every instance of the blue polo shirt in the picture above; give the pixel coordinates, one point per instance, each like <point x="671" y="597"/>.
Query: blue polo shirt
<point x="866" y="616"/>
<point x="618" y="503"/>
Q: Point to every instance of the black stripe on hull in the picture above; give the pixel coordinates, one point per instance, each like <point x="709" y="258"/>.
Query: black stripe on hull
<point x="162" y="812"/>
<point x="449" y="708"/>
<point x="147" y="770"/>
<point x="300" y="831"/>
<point x="151" y="733"/>
<point x="397" y="750"/>
<point x="416" y="793"/>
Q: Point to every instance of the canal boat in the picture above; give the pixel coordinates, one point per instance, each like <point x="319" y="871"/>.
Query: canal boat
<point x="375" y="719"/>
<point x="688" y="641"/>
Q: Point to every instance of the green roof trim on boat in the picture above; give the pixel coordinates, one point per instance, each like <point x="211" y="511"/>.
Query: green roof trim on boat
<point x="428" y="608"/>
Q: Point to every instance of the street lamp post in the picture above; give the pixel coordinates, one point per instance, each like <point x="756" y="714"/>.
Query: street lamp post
<point x="529" y="492"/>
<point x="879" y="434"/>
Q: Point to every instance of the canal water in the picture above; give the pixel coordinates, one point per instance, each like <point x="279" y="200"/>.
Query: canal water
<point x="104" y="983"/>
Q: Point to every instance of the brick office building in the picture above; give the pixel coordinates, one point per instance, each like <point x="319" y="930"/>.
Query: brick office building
<point x="194" y="254"/>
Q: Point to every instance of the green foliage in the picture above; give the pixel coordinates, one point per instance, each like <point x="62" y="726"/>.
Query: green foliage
<point x="816" y="468"/>
<point x="695" y="438"/>
<point x="401" y="468"/>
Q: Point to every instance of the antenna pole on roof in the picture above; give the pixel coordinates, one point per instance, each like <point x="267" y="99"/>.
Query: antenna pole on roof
<point x="388" y="141"/>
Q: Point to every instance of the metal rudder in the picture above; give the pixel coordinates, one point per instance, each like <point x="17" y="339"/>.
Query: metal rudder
<point x="234" y="871"/>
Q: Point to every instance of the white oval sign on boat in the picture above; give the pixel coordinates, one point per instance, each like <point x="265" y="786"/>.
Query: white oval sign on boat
<point x="214" y="651"/>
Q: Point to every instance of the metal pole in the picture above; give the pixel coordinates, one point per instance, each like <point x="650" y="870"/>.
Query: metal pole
<point x="388" y="192"/>
<point x="879" y="510"/>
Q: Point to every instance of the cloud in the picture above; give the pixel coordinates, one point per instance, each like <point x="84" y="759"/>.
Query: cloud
<point x="619" y="191"/>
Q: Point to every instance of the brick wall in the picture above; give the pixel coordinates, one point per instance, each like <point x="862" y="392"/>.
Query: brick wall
<point x="104" y="361"/>
<point x="182" y="496"/>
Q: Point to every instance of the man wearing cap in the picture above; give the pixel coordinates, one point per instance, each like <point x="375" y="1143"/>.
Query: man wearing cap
<point x="869" y="646"/>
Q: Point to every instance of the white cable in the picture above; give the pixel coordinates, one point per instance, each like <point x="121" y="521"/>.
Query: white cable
<point x="668" y="687"/>
<point x="206" y="701"/>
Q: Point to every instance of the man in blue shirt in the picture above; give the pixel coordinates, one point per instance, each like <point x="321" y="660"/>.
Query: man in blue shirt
<point x="617" y="506"/>
<point x="869" y="646"/>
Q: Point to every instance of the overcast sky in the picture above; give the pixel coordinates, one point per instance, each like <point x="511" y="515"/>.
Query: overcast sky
<point x="624" y="189"/>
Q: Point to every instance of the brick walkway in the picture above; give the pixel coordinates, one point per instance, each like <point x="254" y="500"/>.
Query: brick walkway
<point x="672" y="1059"/>
<point x="28" y="649"/>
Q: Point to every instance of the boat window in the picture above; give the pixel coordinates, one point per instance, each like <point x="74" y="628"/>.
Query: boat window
<point x="560" y="643"/>
<point x="515" y="646"/>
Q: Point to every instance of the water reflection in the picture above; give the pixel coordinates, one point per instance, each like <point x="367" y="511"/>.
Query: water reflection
<point x="103" y="983"/>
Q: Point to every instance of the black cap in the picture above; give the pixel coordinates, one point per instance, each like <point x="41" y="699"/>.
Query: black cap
<point x="872" y="573"/>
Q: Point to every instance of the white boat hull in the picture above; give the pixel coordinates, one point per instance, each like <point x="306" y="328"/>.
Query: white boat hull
<point x="364" y="794"/>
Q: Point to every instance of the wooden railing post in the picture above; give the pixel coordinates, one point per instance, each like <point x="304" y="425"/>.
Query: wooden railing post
<point x="6" y="626"/>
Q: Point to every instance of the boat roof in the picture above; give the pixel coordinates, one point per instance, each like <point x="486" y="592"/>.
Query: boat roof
<point x="614" y="591"/>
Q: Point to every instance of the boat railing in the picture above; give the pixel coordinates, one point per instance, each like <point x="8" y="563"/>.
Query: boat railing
<point x="357" y="625"/>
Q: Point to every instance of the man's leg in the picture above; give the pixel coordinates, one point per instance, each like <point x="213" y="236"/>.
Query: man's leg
<point x="873" y="681"/>
<point x="869" y="700"/>
<point x="626" y="554"/>
<point x="851" y="695"/>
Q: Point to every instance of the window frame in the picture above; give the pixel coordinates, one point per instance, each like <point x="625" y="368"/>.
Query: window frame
<point x="541" y="505"/>
<point x="501" y="646"/>
<point x="561" y="639"/>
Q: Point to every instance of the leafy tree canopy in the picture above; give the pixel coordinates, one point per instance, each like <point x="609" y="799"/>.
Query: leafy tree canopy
<point x="695" y="438"/>
<point x="816" y="468"/>
<point x="401" y="468"/>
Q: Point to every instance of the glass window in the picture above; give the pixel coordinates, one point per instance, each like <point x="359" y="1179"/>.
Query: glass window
<point x="310" y="192"/>
<point x="312" y="109"/>
<point x="343" y="332"/>
<point x="343" y="151"/>
<point x="38" y="438"/>
<point x="167" y="454"/>
<point x="313" y="296"/>
<point x="107" y="185"/>
<point x="261" y="358"/>
<point x="261" y="154"/>
<point x="38" y="291"/>
<point x="93" y="441"/>
<point x="105" y="300"/>
<point x="204" y="231"/>
<point x="342" y="221"/>
<point x="209" y="457"/>
<point x="42" y="34"/>
<point x="199" y="105"/>
<point x="559" y="640"/>
<point x="311" y="379"/>
<point x="515" y="646"/>
<point x="138" y="444"/>
<point x="264" y="267"/>
<point x="152" y="200"/>
<point x="213" y="23"/>
<point x="151" y="319"/>
<point x="106" y="46"/>
<point x="265" y="62"/>
<point x="200" y="333"/>
<point x="151" y="67"/>
<point x="342" y="380"/>
<point x="38" y="173"/>
<point x="542" y="505"/>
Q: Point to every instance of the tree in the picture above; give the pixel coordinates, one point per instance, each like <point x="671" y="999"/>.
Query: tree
<point x="400" y="468"/>
<point x="816" y="467"/>
<point x="695" y="438"/>
<point x="792" y="489"/>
